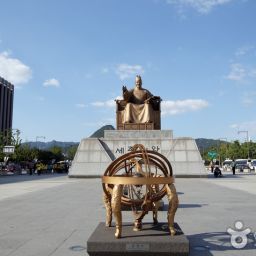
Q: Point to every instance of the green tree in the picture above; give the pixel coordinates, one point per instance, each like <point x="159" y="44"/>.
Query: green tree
<point x="252" y="148"/>
<point x="10" y="137"/>
<point x="71" y="152"/>
<point x="45" y="155"/>
<point x="232" y="150"/>
<point x="57" y="152"/>
<point x="25" y="153"/>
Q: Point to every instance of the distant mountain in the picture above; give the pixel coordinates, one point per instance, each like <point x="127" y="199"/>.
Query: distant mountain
<point x="50" y="144"/>
<point x="100" y="133"/>
<point x="204" y="144"/>
<point x="47" y="145"/>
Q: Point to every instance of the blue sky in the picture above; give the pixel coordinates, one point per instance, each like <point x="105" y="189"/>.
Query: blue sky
<point x="69" y="59"/>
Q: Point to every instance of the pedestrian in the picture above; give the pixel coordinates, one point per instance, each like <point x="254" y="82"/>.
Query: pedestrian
<point x="30" y="167"/>
<point x="212" y="166"/>
<point x="234" y="168"/>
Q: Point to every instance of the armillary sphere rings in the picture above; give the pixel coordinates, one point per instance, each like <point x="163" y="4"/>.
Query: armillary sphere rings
<point x="144" y="174"/>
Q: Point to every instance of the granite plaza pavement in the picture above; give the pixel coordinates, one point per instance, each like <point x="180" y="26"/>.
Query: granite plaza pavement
<point x="53" y="215"/>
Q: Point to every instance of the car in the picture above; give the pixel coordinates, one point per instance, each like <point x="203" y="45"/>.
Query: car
<point x="241" y="161"/>
<point x="253" y="163"/>
<point x="246" y="162"/>
<point x="249" y="162"/>
<point x="242" y="167"/>
<point x="61" y="167"/>
<point x="227" y="165"/>
<point x="13" y="168"/>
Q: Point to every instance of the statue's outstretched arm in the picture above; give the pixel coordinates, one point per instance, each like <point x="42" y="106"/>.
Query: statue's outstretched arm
<point x="126" y="94"/>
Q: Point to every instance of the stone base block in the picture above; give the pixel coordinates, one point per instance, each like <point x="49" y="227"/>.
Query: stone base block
<point x="94" y="155"/>
<point x="152" y="240"/>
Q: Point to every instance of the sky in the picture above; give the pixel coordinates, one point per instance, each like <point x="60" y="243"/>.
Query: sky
<point x="69" y="60"/>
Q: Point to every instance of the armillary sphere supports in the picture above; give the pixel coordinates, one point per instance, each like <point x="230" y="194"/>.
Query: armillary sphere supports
<point x="139" y="179"/>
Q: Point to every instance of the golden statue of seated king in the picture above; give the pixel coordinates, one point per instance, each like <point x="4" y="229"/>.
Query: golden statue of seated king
<point x="139" y="109"/>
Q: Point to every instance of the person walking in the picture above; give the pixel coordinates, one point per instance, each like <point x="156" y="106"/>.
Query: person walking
<point x="234" y="168"/>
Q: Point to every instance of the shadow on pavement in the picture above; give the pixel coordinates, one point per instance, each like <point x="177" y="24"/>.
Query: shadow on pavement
<point x="191" y="205"/>
<point x="165" y="207"/>
<point x="21" y="178"/>
<point x="207" y="243"/>
<point x="229" y="176"/>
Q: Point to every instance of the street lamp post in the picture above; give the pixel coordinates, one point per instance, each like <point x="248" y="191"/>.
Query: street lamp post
<point x="247" y="139"/>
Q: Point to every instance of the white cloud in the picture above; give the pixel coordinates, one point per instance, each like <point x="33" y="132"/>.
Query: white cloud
<point x="244" y="50"/>
<point x="13" y="70"/>
<point x="182" y="106"/>
<point x="51" y="83"/>
<point x="125" y="71"/>
<point x="201" y="6"/>
<point x="80" y="105"/>
<point x="234" y="126"/>
<point x="168" y="107"/>
<point x="108" y="103"/>
<point x="252" y="73"/>
<point x="249" y="98"/>
<point x="98" y="104"/>
<point x="241" y="74"/>
<point x="237" y="73"/>
<point x="105" y="70"/>
<point x="248" y="101"/>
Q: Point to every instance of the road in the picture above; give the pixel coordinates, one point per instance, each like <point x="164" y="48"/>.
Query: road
<point x="53" y="215"/>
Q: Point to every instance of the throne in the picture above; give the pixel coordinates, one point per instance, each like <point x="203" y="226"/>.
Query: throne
<point x="154" y="125"/>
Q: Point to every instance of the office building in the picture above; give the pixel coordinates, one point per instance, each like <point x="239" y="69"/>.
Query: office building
<point x="6" y="105"/>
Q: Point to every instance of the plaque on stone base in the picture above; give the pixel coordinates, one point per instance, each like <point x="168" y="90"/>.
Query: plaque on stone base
<point x="152" y="240"/>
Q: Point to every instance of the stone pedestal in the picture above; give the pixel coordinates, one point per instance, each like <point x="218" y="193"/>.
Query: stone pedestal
<point x="94" y="155"/>
<point x="152" y="240"/>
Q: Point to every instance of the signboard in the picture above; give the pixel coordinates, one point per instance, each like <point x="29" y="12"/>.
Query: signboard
<point x="8" y="149"/>
<point x="212" y="154"/>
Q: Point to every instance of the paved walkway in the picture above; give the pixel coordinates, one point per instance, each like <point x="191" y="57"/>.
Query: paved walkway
<point x="52" y="215"/>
